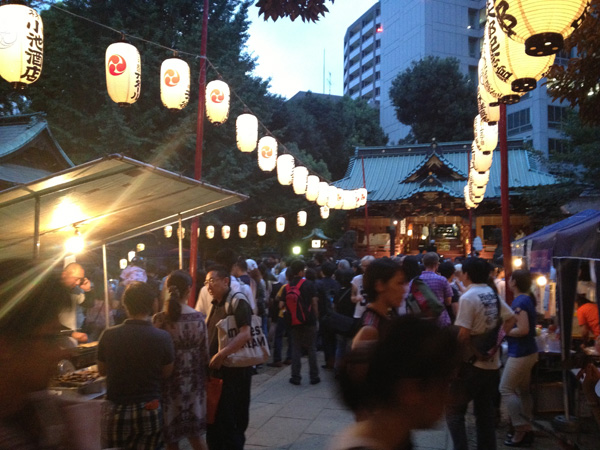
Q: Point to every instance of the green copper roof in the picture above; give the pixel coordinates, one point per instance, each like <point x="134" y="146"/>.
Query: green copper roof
<point x="398" y="173"/>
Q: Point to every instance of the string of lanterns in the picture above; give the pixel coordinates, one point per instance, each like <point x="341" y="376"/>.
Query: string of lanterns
<point x="520" y="42"/>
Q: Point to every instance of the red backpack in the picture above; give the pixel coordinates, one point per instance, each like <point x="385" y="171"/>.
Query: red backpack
<point x="298" y="312"/>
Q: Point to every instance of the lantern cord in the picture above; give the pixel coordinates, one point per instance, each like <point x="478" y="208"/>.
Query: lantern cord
<point x="246" y="107"/>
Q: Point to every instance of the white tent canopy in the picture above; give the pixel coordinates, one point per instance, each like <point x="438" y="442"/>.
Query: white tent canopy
<point x="106" y="200"/>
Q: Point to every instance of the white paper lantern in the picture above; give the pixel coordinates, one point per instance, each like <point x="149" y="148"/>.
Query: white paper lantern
<point x="302" y="218"/>
<point x="542" y="25"/>
<point x="246" y="127"/>
<point x="479" y="178"/>
<point x="332" y="196"/>
<point x="488" y="113"/>
<point x="477" y="190"/>
<point x="475" y="198"/>
<point x="362" y="197"/>
<point x="140" y="247"/>
<point x="261" y="228"/>
<point x="481" y="159"/>
<point x="181" y="232"/>
<point x="324" y="212"/>
<point x="323" y="193"/>
<point x="210" y="232"/>
<point x="492" y="84"/>
<point x="300" y="175"/>
<point x="123" y="263"/>
<point x="225" y="231"/>
<point x="285" y="169"/>
<point x="486" y="135"/>
<point x="168" y="231"/>
<point x="267" y="153"/>
<point x="312" y="188"/>
<point x="243" y="230"/>
<point x="349" y="200"/>
<point x="123" y="73"/>
<point x="175" y="83"/>
<point x="510" y="62"/>
<point x="21" y="44"/>
<point x="280" y="224"/>
<point x="469" y="204"/>
<point x="340" y="199"/>
<point x="130" y="255"/>
<point x="217" y="101"/>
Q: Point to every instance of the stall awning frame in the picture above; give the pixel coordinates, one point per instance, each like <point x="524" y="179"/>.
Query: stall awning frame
<point x="108" y="200"/>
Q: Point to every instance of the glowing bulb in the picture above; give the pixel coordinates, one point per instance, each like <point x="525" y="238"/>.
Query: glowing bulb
<point x="296" y="250"/>
<point x="74" y="244"/>
<point x="168" y="231"/>
<point x="518" y="263"/>
<point x="140" y="247"/>
<point x="130" y="255"/>
<point x="409" y="233"/>
<point x="541" y="281"/>
<point x="122" y="263"/>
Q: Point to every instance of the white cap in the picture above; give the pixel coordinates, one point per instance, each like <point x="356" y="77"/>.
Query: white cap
<point x="251" y="265"/>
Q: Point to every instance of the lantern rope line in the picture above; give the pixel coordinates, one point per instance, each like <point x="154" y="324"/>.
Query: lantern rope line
<point x="246" y="107"/>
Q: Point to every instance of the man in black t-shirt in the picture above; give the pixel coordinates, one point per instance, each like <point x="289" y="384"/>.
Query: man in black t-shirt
<point x="227" y="433"/>
<point x="304" y="335"/>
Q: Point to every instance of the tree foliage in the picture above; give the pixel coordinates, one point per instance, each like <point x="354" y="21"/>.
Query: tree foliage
<point x="307" y="10"/>
<point x="436" y="100"/>
<point x="579" y="82"/>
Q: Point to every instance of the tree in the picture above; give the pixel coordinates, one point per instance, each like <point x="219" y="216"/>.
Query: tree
<point x="578" y="82"/>
<point x="436" y="100"/>
<point x="305" y="9"/>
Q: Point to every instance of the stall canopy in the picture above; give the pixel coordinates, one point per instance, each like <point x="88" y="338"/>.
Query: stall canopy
<point x="106" y="201"/>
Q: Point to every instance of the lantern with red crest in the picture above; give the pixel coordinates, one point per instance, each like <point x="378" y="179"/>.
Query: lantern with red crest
<point x="175" y="83"/>
<point x="123" y="73"/>
<point x="217" y="101"/>
<point x="267" y="153"/>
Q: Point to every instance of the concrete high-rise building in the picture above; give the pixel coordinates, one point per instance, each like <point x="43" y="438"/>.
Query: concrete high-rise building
<point x="392" y="34"/>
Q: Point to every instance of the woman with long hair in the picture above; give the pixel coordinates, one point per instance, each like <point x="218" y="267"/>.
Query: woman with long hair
<point x="184" y="392"/>
<point x="522" y="356"/>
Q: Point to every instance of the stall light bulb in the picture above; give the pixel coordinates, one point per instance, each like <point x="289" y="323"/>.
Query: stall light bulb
<point x="74" y="245"/>
<point x="518" y="263"/>
<point x="541" y="281"/>
<point x="296" y="250"/>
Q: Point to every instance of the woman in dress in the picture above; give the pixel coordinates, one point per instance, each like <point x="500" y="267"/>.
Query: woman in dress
<point x="522" y="356"/>
<point x="184" y="392"/>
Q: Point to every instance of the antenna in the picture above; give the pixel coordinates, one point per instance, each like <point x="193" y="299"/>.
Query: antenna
<point x="323" y="71"/>
<point x="329" y="82"/>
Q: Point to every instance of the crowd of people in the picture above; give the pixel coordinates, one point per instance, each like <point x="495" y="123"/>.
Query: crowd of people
<point x="410" y="339"/>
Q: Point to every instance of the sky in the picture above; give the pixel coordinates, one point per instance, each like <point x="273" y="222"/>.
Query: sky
<point x="291" y="53"/>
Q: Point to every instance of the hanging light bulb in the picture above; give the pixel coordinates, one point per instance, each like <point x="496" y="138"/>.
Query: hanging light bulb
<point x="123" y="263"/>
<point x="243" y="230"/>
<point x="217" y="101"/>
<point x="21" y="44"/>
<point x="302" y="218"/>
<point x="323" y="193"/>
<point x="168" y="231"/>
<point x="280" y="224"/>
<point x="261" y="228"/>
<point x="175" y="83"/>
<point x="312" y="188"/>
<point x="123" y="73"/>
<point x="246" y="127"/>
<point x="74" y="244"/>
<point x="225" y="232"/>
<point x="324" y="212"/>
<point x="285" y="169"/>
<point x="267" y="153"/>
<point x="300" y="176"/>
<point x="210" y="232"/>
<point x="140" y="247"/>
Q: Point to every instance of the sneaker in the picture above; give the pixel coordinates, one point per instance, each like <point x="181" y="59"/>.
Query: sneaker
<point x="315" y="380"/>
<point x="275" y="364"/>
<point x="294" y="381"/>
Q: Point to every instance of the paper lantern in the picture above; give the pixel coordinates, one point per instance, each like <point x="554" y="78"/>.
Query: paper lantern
<point x="267" y="153"/>
<point x="487" y="112"/>
<point x="285" y="169"/>
<point x="300" y="175"/>
<point x="123" y="263"/>
<point x="332" y="196"/>
<point x="210" y="232"/>
<point x="243" y="230"/>
<point x="362" y="197"/>
<point x="486" y="135"/>
<point x="246" y="127"/>
<point x="302" y="218"/>
<point x="469" y="204"/>
<point x="498" y="89"/>
<point x="349" y="200"/>
<point x="225" y="231"/>
<point x="140" y="247"/>
<point x="542" y="25"/>
<point x="324" y="212"/>
<point x="312" y="188"/>
<point x="21" y="45"/>
<point x="217" y="101"/>
<point x="168" y="231"/>
<point x="479" y="178"/>
<point x="175" y="83"/>
<point x="323" y="193"/>
<point x="130" y="255"/>
<point x="123" y="73"/>
<point x="477" y="190"/>
<point x="280" y="224"/>
<point x="481" y="159"/>
<point x="261" y="228"/>
<point x="340" y="199"/>
<point x="475" y="198"/>
<point x="509" y="61"/>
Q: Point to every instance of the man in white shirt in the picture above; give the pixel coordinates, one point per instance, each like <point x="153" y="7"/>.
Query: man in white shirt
<point x="357" y="288"/>
<point x="478" y="312"/>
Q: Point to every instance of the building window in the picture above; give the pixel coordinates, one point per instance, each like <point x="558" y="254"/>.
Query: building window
<point x="473" y="74"/>
<point x="377" y="91"/>
<point x="377" y="43"/>
<point x="556" y="146"/>
<point x="377" y="75"/>
<point x="556" y="116"/>
<point x="473" y="19"/>
<point x="518" y="122"/>
<point x="377" y="59"/>
<point x="473" y="47"/>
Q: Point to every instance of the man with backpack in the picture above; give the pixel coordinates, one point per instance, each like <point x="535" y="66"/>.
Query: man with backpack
<point x="301" y="304"/>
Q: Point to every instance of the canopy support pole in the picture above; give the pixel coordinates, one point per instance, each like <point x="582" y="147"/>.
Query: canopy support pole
<point x="180" y="240"/>
<point x="367" y="230"/>
<point x="36" y="229"/>
<point x="504" y="200"/>
<point x="106" y="296"/>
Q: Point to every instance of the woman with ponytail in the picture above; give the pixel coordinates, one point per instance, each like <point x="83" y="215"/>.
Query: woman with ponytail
<point x="184" y="392"/>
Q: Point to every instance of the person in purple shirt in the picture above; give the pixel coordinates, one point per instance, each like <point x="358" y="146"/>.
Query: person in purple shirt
<point x="438" y="284"/>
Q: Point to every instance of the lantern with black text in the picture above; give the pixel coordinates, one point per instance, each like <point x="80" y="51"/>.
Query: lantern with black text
<point x="302" y="218"/>
<point x="285" y="169"/>
<point x="267" y="153"/>
<point x="175" y="83"/>
<point x="497" y="88"/>
<point x="217" y="101"/>
<point x="542" y="25"/>
<point x="481" y="159"/>
<point x="474" y="196"/>
<point x="243" y="230"/>
<point x="261" y="228"/>
<point x="300" y="176"/>
<point x="123" y="73"/>
<point x="210" y="232"/>
<point x="323" y="193"/>
<point x="225" y="232"/>
<point x="488" y="107"/>
<point x="312" y="188"/>
<point x="477" y="189"/>
<point x="21" y="45"/>
<point x="246" y="128"/>
<point x="486" y="135"/>
<point x="324" y="212"/>
<point x="468" y="202"/>
<point x="280" y="224"/>
<point x="479" y="178"/>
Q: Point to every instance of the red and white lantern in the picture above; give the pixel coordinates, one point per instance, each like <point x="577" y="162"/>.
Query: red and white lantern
<point x="243" y="230"/>
<point x="267" y="153"/>
<point x="210" y="232"/>
<point x="123" y="73"/>
<point x="175" y="83"/>
<point x="217" y="101"/>
<point x="226" y="231"/>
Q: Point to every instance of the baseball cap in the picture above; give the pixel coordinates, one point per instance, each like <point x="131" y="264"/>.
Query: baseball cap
<point x="251" y="265"/>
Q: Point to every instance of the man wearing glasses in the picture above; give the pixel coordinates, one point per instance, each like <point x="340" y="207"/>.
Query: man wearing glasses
<point x="73" y="278"/>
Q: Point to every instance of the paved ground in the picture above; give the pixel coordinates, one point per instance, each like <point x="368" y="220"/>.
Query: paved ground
<point x="284" y="416"/>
